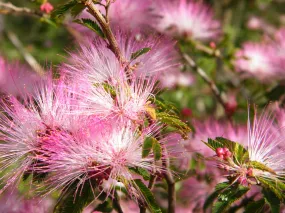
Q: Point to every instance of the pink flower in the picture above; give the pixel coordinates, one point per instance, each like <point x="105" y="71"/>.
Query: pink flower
<point x="131" y="15"/>
<point x="16" y="79"/>
<point x="280" y="47"/>
<point x="105" y="162"/>
<point x="175" y="78"/>
<point x="258" y="60"/>
<point x="46" y="7"/>
<point x="96" y="61"/>
<point x="264" y="142"/>
<point x="125" y="15"/>
<point x="188" y="19"/>
<point x="26" y="125"/>
<point x="12" y="202"/>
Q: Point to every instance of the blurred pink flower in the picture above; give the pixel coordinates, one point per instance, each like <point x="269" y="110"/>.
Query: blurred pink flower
<point x="258" y="60"/>
<point x="13" y="202"/>
<point x="190" y="19"/>
<point x="16" y="79"/>
<point x="175" y="78"/>
<point x="124" y="15"/>
<point x="280" y="47"/>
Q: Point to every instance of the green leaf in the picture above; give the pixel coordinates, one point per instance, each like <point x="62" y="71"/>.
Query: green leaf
<point x="149" y="198"/>
<point x="174" y="122"/>
<point x="61" y="10"/>
<point x="271" y="200"/>
<point x="106" y="207"/>
<point x="255" y="207"/>
<point x="140" y="171"/>
<point x="260" y="166"/>
<point x="227" y="197"/>
<point x="157" y="151"/>
<point x="211" y="198"/>
<point x="92" y="25"/>
<point x="276" y="186"/>
<point x="147" y="146"/>
<point x="213" y="144"/>
<point x="140" y="52"/>
<point x="77" y="9"/>
<point x="69" y="204"/>
<point x="162" y="105"/>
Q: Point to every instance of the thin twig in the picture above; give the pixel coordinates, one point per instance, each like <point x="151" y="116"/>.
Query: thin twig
<point x="27" y="56"/>
<point x="170" y="184"/>
<point x="207" y="79"/>
<point x="116" y="203"/>
<point x="9" y="8"/>
<point x="105" y="26"/>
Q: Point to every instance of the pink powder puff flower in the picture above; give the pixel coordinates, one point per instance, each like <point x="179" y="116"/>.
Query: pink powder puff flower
<point x="258" y="60"/>
<point x="124" y="102"/>
<point x="104" y="162"/>
<point x="26" y="125"/>
<point x="264" y="142"/>
<point x="189" y="19"/>
<point x="16" y="79"/>
<point x="99" y="63"/>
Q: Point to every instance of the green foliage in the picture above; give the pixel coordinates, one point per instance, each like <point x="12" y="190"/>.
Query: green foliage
<point x="149" y="144"/>
<point x="255" y="206"/>
<point x="276" y="186"/>
<point x="140" y="171"/>
<point x="60" y="11"/>
<point x="239" y="152"/>
<point x="73" y="199"/>
<point x="174" y="122"/>
<point x="140" y="52"/>
<point x="227" y="197"/>
<point x="157" y="150"/>
<point x="92" y="25"/>
<point x="148" y="196"/>
<point x="271" y="200"/>
<point x="260" y="166"/>
<point x="211" y="198"/>
<point x="105" y="207"/>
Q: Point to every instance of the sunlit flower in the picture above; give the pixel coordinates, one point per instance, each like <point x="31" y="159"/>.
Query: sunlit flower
<point x="105" y="162"/>
<point x="188" y="19"/>
<point x="96" y="61"/>
<point x="26" y="125"/>
<point x="258" y="60"/>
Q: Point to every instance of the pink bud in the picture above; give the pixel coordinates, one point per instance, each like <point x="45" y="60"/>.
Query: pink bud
<point x="242" y="180"/>
<point x="220" y="152"/>
<point x="250" y="172"/>
<point x="227" y="154"/>
<point x="213" y="45"/>
<point x="46" y="7"/>
<point x="186" y="112"/>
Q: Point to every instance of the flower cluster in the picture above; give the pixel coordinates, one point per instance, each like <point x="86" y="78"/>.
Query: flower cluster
<point x="90" y="124"/>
